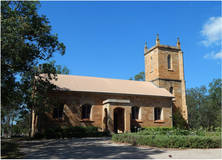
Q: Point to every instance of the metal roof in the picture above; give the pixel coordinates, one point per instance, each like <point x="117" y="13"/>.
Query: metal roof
<point x="107" y="85"/>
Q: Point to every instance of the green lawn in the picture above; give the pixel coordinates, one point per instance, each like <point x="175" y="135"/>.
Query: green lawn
<point x="10" y="150"/>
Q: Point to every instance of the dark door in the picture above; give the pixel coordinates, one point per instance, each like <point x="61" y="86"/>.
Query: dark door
<point x="115" y="122"/>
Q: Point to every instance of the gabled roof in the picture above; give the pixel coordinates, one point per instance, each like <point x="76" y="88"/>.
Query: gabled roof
<point x="110" y="86"/>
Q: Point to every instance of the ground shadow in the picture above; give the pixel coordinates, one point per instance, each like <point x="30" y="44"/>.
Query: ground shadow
<point x="84" y="148"/>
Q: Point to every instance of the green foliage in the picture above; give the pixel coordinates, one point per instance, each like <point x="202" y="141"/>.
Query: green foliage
<point x="169" y="141"/>
<point x="10" y="151"/>
<point x="16" y="129"/>
<point x="139" y="77"/>
<point x="204" y="106"/>
<point x="158" y="128"/>
<point x="24" y="138"/>
<point x="177" y="131"/>
<point x="178" y="120"/>
<point x="58" y="69"/>
<point x="69" y="132"/>
<point x="26" y="38"/>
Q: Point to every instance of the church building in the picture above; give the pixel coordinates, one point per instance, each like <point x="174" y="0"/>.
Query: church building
<point x="117" y="105"/>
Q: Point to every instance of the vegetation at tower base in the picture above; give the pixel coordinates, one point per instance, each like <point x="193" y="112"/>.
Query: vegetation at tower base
<point x="26" y="38"/>
<point x="178" y="120"/>
<point x="204" y="105"/>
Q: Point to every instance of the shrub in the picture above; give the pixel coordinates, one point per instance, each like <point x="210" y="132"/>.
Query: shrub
<point x="91" y="129"/>
<point x="53" y="130"/>
<point x="69" y="132"/>
<point x="158" y="128"/>
<point x="169" y="141"/>
<point x="38" y="135"/>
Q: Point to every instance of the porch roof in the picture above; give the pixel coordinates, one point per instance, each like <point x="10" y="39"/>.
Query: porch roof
<point x="106" y="85"/>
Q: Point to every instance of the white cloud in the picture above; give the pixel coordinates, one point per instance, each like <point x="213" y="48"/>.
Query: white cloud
<point x="212" y="31"/>
<point x="213" y="55"/>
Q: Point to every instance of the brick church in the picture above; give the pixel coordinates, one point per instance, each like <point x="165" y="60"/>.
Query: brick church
<point x="120" y="105"/>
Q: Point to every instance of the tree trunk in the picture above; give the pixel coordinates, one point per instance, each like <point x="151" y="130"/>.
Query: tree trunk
<point x="39" y="125"/>
<point x="8" y="128"/>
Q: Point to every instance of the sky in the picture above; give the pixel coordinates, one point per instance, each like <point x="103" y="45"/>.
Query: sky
<point x="106" y="38"/>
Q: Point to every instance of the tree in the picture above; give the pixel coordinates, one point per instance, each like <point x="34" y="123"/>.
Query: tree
<point x="22" y="124"/>
<point x="139" y="77"/>
<point x="214" y="100"/>
<point x="10" y="112"/>
<point x="204" y="106"/>
<point x="25" y="38"/>
<point x="59" y="69"/>
<point x="196" y="102"/>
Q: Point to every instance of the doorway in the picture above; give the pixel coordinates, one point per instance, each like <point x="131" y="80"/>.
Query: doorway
<point x="118" y="120"/>
<point x="105" y="120"/>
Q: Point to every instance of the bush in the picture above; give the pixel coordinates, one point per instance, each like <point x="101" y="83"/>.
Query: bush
<point x="91" y="129"/>
<point x="69" y="132"/>
<point x="171" y="131"/>
<point x="158" y="128"/>
<point x="169" y="141"/>
<point x="53" y="130"/>
<point x="38" y="135"/>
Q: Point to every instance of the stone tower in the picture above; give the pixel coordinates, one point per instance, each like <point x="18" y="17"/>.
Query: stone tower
<point x="164" y="67"/>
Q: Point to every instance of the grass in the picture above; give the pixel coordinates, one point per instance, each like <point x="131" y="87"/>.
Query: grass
<point x="10" y="150"/>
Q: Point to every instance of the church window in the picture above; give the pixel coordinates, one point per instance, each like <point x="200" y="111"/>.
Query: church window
<point x="86" y="110"/>
<point x="135" y="112"/>
<point x="157" y="113"/>
<point x="171" y="90"/>
<point x="58" y="112"/>
<point x="151" y="64"/>
<point x="169" y="61"/>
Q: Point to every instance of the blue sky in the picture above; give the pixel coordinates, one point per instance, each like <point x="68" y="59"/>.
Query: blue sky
<point x="106" y="39"/>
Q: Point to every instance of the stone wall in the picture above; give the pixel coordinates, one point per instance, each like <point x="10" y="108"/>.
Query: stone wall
<point x="166" y="78"/>
<point x="72" y="111"/>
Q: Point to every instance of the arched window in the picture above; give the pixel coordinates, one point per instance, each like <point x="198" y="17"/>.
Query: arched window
<point x="58" y="111"/>
<point x="86" y="110"/>
<point x="135" y="112"/>
<point x="171" y="90"/>
<point x="157" y="113"/>
<point x="151" y="63"/>
<point x="169" y="61"/>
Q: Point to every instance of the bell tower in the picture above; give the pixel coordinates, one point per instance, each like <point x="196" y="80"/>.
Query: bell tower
<point x="164" y="67"/>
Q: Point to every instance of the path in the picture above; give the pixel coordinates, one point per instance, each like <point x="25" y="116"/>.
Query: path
<point x="103" y="148"/>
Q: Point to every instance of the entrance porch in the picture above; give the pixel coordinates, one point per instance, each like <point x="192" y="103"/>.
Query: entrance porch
<point x="116" y="115"/>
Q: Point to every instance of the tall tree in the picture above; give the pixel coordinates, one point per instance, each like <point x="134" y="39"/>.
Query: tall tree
<point x="214" y="100"/>
<point x="204" y="106"/>
<point x="196" y="102"/>
<point x="59" y="69"/>
<point x="25" y="38"/>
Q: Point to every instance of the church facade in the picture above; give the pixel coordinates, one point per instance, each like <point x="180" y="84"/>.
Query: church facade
<point x="120" y="105"/>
